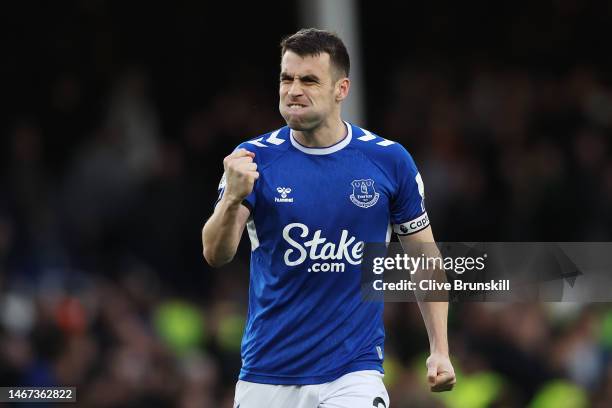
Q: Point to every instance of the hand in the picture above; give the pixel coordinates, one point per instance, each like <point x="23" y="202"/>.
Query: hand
<point x="240" y="175"/>
<point x="440" y="373"/>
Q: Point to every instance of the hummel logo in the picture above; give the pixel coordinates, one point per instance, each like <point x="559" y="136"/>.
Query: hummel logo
<point x="283" y="191"/>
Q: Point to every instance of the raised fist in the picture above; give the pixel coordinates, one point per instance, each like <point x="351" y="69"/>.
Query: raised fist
<point x="240" y="175"/>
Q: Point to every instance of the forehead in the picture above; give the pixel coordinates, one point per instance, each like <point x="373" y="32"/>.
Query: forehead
<point x="293" y="64"/>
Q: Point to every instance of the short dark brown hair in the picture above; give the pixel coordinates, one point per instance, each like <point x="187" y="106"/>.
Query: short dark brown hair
<point x="313" y="42"/>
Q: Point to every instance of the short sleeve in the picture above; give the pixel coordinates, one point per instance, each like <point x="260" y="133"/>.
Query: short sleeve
<point x="408" y="213"/>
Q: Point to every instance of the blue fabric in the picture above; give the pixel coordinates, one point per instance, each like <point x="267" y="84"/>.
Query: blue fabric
<point x="311" y="212"/>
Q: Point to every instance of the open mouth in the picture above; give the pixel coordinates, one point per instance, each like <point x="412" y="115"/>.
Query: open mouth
<point x="295" y="106"/>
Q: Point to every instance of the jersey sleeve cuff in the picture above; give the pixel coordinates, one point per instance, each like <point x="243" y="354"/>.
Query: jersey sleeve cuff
<point x="412" y="226"/>
<point x="244" y="202"/>
<point x="247" y="205"/>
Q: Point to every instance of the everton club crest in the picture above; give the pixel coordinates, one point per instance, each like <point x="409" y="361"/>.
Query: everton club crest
<point x="364" y="195"/>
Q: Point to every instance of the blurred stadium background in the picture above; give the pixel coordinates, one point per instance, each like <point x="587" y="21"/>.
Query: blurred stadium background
<point x="117" y="116"/>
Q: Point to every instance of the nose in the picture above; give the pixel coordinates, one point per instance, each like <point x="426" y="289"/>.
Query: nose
<point x="295" y="89"/>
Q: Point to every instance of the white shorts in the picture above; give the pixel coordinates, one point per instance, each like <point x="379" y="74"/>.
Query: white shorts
<point x="359" y="389"/>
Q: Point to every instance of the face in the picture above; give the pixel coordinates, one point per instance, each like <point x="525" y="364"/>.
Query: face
<point x="308" y="92"/>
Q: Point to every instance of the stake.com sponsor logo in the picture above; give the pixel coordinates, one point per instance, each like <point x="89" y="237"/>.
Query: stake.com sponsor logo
<point x="318" y="248"/>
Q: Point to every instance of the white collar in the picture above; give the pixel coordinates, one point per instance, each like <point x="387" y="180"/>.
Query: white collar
<point x="324" y="150"/>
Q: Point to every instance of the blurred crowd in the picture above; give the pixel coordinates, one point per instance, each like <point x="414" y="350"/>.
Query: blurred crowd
<point x="109" y="170"/>
<point x="507" y="155"/>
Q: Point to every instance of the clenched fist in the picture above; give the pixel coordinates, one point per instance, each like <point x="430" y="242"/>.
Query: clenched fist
<point x="240" y="175"/>
<point x="440" y="373"/>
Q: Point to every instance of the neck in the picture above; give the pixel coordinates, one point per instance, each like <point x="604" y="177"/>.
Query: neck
<point x="326" y="134"/>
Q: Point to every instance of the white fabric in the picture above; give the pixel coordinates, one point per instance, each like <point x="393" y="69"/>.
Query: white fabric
<point x="359" y="389"/>
<point x="324" y="150"/>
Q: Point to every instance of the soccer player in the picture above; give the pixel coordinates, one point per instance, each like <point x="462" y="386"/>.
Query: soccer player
<point x="310" y="194"/>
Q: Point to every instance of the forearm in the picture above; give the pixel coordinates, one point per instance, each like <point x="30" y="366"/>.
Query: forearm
<point x="221" y="233"/>
<point x="434" y="310"/>
<point x="435" y="316"/>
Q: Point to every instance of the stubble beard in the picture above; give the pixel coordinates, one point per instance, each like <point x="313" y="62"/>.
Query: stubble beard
<point x="304" y="124"/>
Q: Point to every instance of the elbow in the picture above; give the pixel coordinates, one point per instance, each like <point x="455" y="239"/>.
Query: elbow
<point x="215" y="253"/>
<point x="214" y="260"/>
<point x="210" y="255"/>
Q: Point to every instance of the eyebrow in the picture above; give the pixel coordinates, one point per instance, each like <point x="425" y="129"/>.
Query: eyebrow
<point x="310" y="78"/>
<point x="306" y="78"/>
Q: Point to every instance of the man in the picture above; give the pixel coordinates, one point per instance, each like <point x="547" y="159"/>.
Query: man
<point x="311" y="194"/>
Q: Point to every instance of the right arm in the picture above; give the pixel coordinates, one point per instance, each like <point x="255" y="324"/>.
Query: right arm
<point x="222" y="232"/>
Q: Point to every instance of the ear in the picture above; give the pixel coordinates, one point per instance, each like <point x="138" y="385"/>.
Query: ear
<point x="342" y="89"/>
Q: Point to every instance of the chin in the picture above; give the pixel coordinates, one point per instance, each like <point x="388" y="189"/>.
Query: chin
<point x="299" y="123"/>
<point x="295" y="125"/>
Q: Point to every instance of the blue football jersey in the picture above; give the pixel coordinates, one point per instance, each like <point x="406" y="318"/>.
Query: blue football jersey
<point x="312" y="210"/>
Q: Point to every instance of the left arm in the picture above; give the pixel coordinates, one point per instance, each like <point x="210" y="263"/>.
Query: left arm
<point x="440" y="372"/>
